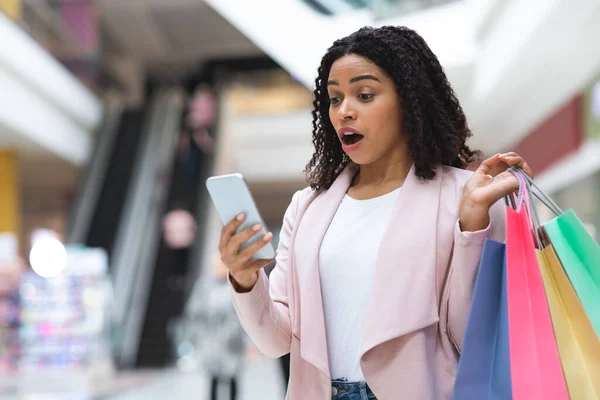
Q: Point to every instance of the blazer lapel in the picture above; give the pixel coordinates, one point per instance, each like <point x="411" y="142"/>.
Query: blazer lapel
<point x="311" y="231"/>
<point x="404" y="295"/>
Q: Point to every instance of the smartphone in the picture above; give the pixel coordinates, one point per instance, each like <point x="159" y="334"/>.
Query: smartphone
<point x="231" y="196"/>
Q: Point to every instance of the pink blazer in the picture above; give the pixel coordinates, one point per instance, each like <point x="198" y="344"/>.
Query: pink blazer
<point x="422" y="291"/>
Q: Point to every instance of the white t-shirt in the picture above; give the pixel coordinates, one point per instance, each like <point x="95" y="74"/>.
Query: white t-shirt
<point x="346" y="267"/>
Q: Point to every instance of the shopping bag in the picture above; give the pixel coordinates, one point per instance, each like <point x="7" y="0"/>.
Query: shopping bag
<point x="578" y="345"/>
<point x="536" y="371"/>
<point x="580" y="256"/>
<point x="484" y="364"/>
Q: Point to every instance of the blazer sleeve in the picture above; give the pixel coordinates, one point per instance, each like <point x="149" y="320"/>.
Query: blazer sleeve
<point x="264" y="311"/>
<point x="464" y="265"/>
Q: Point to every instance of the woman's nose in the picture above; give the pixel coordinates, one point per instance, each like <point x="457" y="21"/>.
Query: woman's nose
<point x="347" y="112"/>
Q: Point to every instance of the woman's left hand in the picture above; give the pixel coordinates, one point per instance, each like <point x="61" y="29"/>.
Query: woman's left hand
<point x="490" y="183"/>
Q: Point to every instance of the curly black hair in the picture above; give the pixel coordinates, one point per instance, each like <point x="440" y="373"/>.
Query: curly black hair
<point x="433" y="118"/>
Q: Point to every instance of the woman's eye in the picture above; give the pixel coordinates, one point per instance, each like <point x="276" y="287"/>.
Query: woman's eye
<point x="365" y="96"/>
<point x="334" y="100"/>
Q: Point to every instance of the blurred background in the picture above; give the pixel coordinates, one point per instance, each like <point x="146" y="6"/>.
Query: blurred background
<point x="114" y="112"/>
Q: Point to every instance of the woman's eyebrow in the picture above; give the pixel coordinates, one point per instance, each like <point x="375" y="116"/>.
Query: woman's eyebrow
<point x="333" y="82"/>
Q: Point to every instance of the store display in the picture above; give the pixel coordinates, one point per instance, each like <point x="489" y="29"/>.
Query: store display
<point x="64" y="319"/>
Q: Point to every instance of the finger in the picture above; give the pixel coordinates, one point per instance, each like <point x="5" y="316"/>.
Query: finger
<point x="513" y="160"/>
<point x="519" y="162"/>
<point x="229" y="229"/>
<point x="249" y="251"/>
<point x="488" y="165"/>
<point x="240" y="238"/>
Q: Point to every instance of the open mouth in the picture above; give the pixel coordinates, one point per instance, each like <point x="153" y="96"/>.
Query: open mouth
<point x="351" y="138"/>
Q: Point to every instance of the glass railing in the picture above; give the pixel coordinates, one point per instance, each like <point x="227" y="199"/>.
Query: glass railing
<point x="334" y="7"/>
<point x="68" y="30"/>
<point x="381" y="9"/>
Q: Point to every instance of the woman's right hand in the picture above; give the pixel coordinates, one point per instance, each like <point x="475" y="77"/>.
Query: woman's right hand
<point x="242" y="268"/>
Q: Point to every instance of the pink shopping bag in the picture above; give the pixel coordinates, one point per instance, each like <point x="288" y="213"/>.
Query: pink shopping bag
<point x="535" y="365"/>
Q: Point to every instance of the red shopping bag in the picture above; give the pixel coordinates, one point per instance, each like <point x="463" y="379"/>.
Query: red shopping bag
<point x="535" y="365"/>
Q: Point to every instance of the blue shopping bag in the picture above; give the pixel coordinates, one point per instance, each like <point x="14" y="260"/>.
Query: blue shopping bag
<point x="484" y="365"/>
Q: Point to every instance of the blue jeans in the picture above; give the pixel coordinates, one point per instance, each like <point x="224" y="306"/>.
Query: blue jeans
<point x="341" y="389"/>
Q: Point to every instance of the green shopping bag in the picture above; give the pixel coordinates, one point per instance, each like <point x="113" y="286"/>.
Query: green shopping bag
<point x="580" y="256"/>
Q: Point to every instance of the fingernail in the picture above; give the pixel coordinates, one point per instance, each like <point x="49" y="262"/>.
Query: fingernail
<point x="256" y="227"/>
<point x="267" y="237"/>
<point x="240" y="217"/>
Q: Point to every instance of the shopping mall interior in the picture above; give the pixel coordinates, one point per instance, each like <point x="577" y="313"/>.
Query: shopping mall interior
<point x="113" y="113"/>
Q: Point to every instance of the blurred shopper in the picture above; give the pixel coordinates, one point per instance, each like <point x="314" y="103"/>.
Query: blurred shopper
<point x="196" y="138"/>
<point x="211" y="326"/>
<point x="179" y="229"/>
<point x="377" y="258"/>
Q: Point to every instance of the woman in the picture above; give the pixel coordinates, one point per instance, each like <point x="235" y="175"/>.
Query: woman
<point x="377" y="259"/>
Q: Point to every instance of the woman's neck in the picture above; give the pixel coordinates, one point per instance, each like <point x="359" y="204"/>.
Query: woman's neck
<point x="377" y="179"/>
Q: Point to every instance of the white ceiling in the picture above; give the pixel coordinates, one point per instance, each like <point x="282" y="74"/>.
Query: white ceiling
<point x="173" y="35"/>
<point x="10" y="139"/>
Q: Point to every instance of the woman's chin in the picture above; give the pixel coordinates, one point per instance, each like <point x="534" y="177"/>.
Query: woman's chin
<point x="360" y="159"/>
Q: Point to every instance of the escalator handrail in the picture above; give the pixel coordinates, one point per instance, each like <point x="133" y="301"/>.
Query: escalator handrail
<point x="125" y="248"/>
<point x="137" y="266"/>
<point x="90" y="183"/>
<point x="140" y="294"/>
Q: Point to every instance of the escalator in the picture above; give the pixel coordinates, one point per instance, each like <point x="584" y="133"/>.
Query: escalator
<point x="120" y="201"/>
<point x="109" y="208"/>
<point x="138" y="240"/>
<point x="176" y="271"/>
<point x="171" y="275"/>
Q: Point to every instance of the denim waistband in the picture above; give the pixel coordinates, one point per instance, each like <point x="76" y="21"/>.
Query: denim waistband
<point x="341" y="389"/>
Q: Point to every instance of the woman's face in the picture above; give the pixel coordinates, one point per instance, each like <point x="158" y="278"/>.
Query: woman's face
<point x="365" y="110"/>
<point x="202" y="109"/>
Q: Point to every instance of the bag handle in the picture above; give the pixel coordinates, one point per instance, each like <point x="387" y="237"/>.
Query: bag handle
<point x="529" y="207"/>
<point x="539" y="193"/>
<point x="514" y="200"/>
<point x="537" y="225"/>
